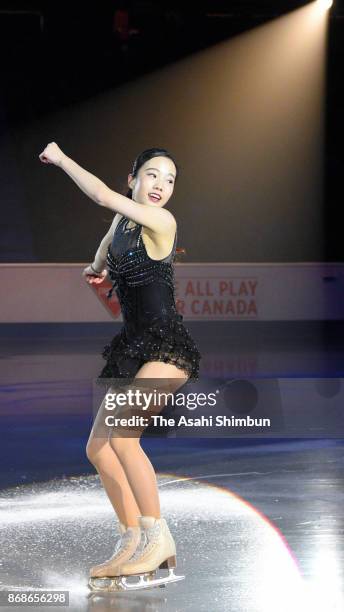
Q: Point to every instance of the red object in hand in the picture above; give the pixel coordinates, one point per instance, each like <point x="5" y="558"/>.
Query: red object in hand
<point x="112" y="305"/>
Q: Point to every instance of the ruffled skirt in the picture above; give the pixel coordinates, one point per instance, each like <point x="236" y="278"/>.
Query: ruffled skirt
<point x="164" y="339"/>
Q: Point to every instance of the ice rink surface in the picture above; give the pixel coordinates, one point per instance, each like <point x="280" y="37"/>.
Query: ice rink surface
<point x="255" y="531"/>
<point x="258" y="524"/>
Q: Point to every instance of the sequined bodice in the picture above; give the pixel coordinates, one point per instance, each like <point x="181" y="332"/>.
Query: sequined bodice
<point x="144" y="286"/>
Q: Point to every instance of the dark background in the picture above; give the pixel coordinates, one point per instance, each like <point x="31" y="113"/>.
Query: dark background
<point x="57" y="55"/>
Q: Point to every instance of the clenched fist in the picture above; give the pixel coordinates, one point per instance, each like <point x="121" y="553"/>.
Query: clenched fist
<point x="92" y="278"/>
<point x="52" y="154"/>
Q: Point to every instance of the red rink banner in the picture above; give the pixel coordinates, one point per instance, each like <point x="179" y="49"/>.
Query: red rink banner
<point x="204" y="292"/>
<point x="220" y="297"/>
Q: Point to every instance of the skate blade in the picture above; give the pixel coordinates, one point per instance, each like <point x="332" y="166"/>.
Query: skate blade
<point x="104" y="584"/>
<point x="146" y="581"/>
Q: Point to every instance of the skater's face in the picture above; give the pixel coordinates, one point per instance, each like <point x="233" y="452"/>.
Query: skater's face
<point x="154" y="182"/>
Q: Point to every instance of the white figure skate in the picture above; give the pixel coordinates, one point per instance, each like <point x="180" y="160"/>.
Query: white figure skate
<point x="158" y="552"/>
<point x="101" y="576"/>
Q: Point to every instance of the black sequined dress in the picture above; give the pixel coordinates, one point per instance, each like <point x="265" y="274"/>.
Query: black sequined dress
<point x="153" y="329"/>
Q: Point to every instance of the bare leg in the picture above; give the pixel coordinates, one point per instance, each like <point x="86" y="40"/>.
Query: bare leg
<point x="110" y="470"/>
<point x="137" y="467"/>
<point x="140" y="474"/>
<point x="114" y="481"/>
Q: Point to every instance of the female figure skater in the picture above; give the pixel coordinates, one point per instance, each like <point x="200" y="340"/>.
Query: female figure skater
<point x="138" y="251"/>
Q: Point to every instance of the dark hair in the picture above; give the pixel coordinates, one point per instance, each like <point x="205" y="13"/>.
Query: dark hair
<point x="145" y="156"/>
<point x="139" y="161"/>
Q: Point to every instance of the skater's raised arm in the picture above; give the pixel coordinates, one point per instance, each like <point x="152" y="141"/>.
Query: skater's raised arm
<point x="155" y="218"/>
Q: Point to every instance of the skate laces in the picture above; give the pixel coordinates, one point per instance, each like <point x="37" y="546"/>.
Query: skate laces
<point x="148" y="540"/>
<point x="153" y="534"/>
<point x="140" y="547"/>
<point x="122" y="543"/>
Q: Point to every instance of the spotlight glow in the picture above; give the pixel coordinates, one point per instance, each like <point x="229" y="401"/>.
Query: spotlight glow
<point x="325" y="4"/>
